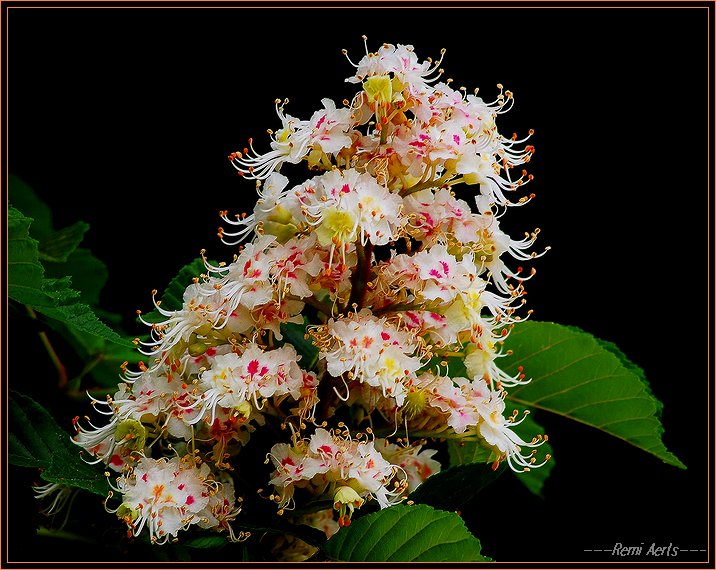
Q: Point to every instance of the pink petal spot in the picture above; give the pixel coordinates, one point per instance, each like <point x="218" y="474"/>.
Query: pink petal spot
<point x="189" y="500"/>
<point x="253" y="367"/>
<point x="181" y="487"/>
<point x="384" y="335"/>
<point x="117" y="460"/>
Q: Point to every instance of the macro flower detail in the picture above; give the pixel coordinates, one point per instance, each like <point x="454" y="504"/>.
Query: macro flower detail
<point x="164" y="495"/>
<point x="357" y="326"/>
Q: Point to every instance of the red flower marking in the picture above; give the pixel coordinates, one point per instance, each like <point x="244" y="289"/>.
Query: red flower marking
<point x="253" y="367"/>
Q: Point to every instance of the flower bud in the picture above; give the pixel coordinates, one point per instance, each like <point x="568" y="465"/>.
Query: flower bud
<point x="346" y="498"/>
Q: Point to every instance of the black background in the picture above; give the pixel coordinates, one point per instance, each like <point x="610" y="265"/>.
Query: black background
<point x="124" y="117"/>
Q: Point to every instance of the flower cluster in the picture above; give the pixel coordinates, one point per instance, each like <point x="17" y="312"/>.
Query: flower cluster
<point x="384" y="271"/>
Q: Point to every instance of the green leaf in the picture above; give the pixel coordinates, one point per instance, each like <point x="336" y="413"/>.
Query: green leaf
<point x="51" y="297"/>
<point x="24" y="199"/>
<point x="206" y="541"/>
<point x="588" y="380"/>
<point x="35" y="440"/>
<point x="24" y="271"/>
<point x="60" y="244"/>
<point x="173" y="297"/>
<point x="69" y="469"/>
<point x="81" y="317"/>
<point x="463" y="451"/>
<point x="89" y="274"/>
<point x="33" y="434"/>
<point x="58" y="249"/>
<point x="296" y="335"/>
<point x="450" y="489"/>
<point x="404" y="533"/>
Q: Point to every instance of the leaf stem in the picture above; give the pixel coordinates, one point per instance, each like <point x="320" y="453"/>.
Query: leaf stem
<point x="61" y="370"/>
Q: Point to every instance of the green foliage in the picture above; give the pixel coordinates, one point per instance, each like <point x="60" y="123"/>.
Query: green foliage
<point x="25" y="273"/>
<point x="53" y="298"/>
<point x="59" y="245"/>
<point x="89" y="274"/>
<point x="62" y="283"/>
<point x="35" y="440"/>
<point x="25" y="200"/>
<point x="450" y="489"/>
<point x="462" y="452"/>
<point x="405" y="533"/>
<point x="588" y="380"/>
<point x="212" y="541"/>
<point x="295" y="334"/>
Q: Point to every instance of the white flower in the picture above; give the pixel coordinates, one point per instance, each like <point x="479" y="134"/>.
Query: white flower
<point x="353" y="204"/>
<point x="329" y="127"/>
<point x="221" y="509"/>
<point x="372" y="352"/>
<point x="268" y="210"/>
<point x="246" y="281"/>
<point x="442" y="275"/>
<point x="204" y="308"/>
<point x="349" y="471"/>
<point x="399" y="60"/>
<point x="289" y="144"/>
<point x="497" y="432"/>
<point x="294" y="264"/>
<point x="234" y="380"/>
<point x="164" y="495"/>
<point x="418" y="465"/>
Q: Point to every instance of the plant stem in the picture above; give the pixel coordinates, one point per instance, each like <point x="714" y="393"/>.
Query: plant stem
<point x="61" y="370"/>
<point x="361" y="276"/>
<point x="321" y="306"/>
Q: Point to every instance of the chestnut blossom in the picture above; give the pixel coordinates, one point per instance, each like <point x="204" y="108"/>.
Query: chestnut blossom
<point x="332" y="463"/>
<point x="353" y="294"/>
<point x="165" y="495"/>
